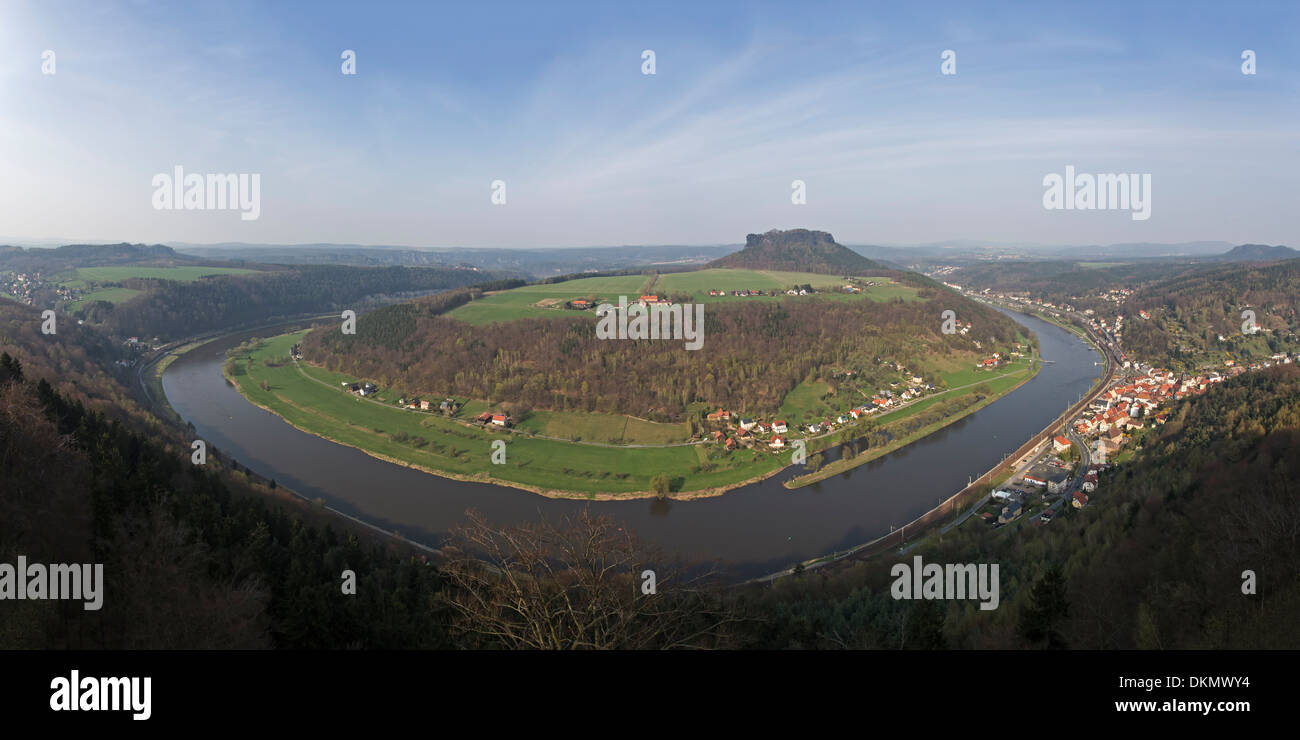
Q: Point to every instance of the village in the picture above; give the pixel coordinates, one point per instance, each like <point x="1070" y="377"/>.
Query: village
<point x="852" y="286"/>
<point x="1138" y="399"/>
<point x="731" y="430"/>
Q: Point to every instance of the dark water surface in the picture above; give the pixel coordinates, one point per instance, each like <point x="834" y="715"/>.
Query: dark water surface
<point x="753" y="530"/>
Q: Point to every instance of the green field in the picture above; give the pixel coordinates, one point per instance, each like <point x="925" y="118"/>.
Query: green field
<point x="451" y="447"/>
<point x="117" y="274"/>
<point x="112" y="295"/>
<point x="805" y="403"/>
<point x="699" y="283"/>
<point x="608" y="428"/>
<point x="530" y="300"/>
<point x="548" y="300"/>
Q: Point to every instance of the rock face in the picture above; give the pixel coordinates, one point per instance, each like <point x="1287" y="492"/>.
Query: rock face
<point x="793" y="236"/>
<point x="798" y="250"/>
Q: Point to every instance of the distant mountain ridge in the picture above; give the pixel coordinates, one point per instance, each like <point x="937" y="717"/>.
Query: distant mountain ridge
<point x="534" y="263"/>
<point x="92" y="255"/>
<point x="1258" y="253"/>
<point x="798" y="250"/>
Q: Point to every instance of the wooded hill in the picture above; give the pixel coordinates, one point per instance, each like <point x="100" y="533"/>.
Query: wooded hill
<point x="800" y="250"/>
<point x="172" y="310"/>
<point x="1189" y="313"/>
<point x="754" y="353"/>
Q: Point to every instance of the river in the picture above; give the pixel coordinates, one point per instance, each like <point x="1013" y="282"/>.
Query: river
<point x="749" y="531"/>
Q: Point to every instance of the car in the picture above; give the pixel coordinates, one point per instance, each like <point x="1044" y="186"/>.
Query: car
<point x="1046" y="516"/>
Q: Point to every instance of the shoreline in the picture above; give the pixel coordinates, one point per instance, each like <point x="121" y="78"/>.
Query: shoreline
<point x="928" y="520"/>
<point x="832" y="469"/>
<point x="539" y="490"/>
<point x="699" y="493"/>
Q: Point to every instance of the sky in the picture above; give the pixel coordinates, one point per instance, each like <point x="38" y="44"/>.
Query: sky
<point x="551" y="100"/>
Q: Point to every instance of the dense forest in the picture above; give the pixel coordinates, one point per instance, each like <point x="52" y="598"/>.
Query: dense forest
<point x="1056" y="280"/>
<point x="1156" y="561"/>
<point x="172" y="310"/>
<point x="1189" y="314"/>
<point x="204" y="557"/>
<point x="753" y="354"/>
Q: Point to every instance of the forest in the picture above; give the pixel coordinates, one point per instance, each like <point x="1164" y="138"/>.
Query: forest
<point x="1189" y="314"/>
<point x="1158" y="560"/>
<point x="213" y="556"/>
<point x="171" y="310"/>
<point x="1059" y="279"/>
<point x="754" y="353"/>
<point x="209" y="557"/>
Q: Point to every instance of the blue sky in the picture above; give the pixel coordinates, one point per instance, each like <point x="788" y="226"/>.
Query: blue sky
<point x="550" y="98"/>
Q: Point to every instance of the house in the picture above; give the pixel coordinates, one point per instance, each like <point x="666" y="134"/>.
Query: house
<point x="762" y="428"/>
<point x="1090" y="482"/>
<point x="424" y="405"/>
<point x="779" y="427"/>
<point x="501" y="420"/>
<point x="1080" y="500"/>
<point x="368" y="388"/>
<point x="1010" y="512"/>
<point x="731" y="444"/>
<point x="1036" y="480"/>
<point x="1060" y="444"/>
<point x="484" y="417"/>
<point x="746" y="424"/>
<point x="814" y="428"/>
<point x="354" y="388"/>
<point x="717" y="436"/>
<point x="1005" y="495"/>
<point x="842" y="419"/>
<point x="777" y="442"/>
<point x="650" y="300"/>
<point x="855" y="413"/>
<point x="719" y="415"/>
<point x="580" y="303"/>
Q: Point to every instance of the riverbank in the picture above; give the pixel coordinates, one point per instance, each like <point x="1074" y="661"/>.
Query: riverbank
<point x="841" y="465"/>
<point x="310" y="399"/>
<point x="923" y="526"/>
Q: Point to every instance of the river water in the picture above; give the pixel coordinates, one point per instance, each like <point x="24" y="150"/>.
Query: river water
<point x="749" y="531"/>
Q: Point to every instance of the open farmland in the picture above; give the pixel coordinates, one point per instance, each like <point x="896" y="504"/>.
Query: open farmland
<point x="548" y="300"/>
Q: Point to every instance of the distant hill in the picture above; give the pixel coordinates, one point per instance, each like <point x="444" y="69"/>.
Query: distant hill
<point x="92" y="255"/>
<point x="534" y="263"/>
<point x="1258" y="253"/>
<point x="799" y="250"/>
